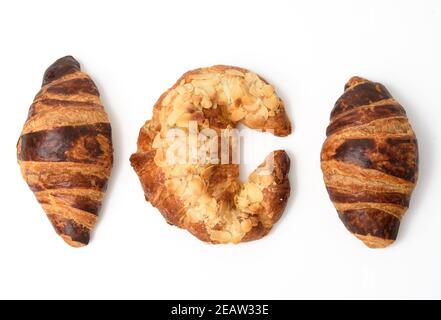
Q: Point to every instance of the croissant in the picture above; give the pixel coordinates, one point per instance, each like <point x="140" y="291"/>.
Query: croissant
<point x="206" y="197"/>
<point x="65" y="150"/>
<point x="370" y="162"/>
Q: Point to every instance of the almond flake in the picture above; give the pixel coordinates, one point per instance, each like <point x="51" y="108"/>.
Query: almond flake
<point x="157" y="141"/>
<point x="268" y="90"/>
<point x="234" y="72"/>
<point x="220" y="236"/>
<point x="237" y="114"/>
<point x="253" y="193"/>
<point x="271" y="102"/>
<point x="251" y="107"/>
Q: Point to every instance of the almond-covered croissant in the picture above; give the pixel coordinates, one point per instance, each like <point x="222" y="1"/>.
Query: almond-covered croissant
<point x="204" y="195"/>
<point x="65" y="150"/>
<point x="370" y="161"/>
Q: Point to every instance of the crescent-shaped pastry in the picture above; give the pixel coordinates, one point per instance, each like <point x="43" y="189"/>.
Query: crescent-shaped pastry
<point x="206" y="197"/>
<point x="370" y="161"/>
<point x="65" y="150"/>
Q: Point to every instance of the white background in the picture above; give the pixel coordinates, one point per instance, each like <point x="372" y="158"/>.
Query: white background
<point x="135" y="50"/>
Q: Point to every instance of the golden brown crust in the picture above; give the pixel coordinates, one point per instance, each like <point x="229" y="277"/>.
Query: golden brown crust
<point x="370" y="161"/>
<point x="65" y="150"/>
<point x="208" y="199"/>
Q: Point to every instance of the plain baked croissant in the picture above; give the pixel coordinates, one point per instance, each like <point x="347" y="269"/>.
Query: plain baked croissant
<point x="370" y="161"/>
<point x="65" y="150"/>
<point x="208" y="199"/>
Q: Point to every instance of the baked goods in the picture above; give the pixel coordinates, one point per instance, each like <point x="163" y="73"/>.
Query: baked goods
<point x="206" y="197"/>
<point x="65" y="150"/>
<point x="370" y="161"/>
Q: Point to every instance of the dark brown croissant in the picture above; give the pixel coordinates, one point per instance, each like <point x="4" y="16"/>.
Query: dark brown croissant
<point x="65" y="150"/>
<point x="208" y="199"/>
<point x="370" y="161"/>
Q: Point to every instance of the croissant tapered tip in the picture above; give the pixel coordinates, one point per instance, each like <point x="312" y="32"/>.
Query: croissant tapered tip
<point x="60" y="68"/>
<point x="72" y="243"/>
<point x="375" y="242"/>
<point x="281" y="163"/>
<point x="284" y="130"/>
<point x="72" y="232"/>
<point x="375" y="227"/>
<point x="354" y="81"/>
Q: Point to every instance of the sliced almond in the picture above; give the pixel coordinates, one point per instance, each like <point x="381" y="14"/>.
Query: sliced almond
<point x="235" y="229"/>
<point x="206" y="85"/>
<point x="169" y="97"/>
<point x="259" y="84"/>
<point x="236" y="90"/>
<point x="220" y="236"/>
<point x="251" y="107"/>
<point x="196" y="100"/>
<point x="254" y="121"/>
<point x="262" y="112"/>
<point x="242" y="202"/>
<point x="246" y="225"/>
<point x="157" y="141"/>
<point x="211" y="212"/>
<point x="203" y="76"/>
<point x="255" y="207"/>
<point x="200" y="92"/>
<point x="271" y="102"/>
<point x="181" y="89"/>
<point x="174" y="116"/>
<point x="188" y="87"/>
<point x="265" y="180"/>
<point x="222" y="98"/>
<point x="159" y="158"/>
<point x="183" y="120"/>
<point x="267" y="90"/>
<point x="262" y="177"/>
<point x="206" y="103"/>
<point x="253" y="90"/>
<point x="248" y="99"/>
<point x="204" y="200"/>
<point x="251" y="77"/>
<point x="178" y="103"/>
<point x="195" y="215"/>
<point x="237" y="114"/>
<point x="234" y="72"/>
<point x="253" y="192"/>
